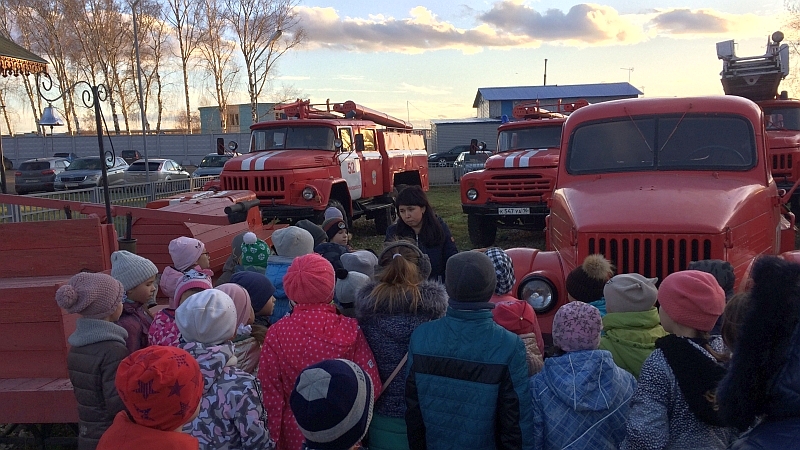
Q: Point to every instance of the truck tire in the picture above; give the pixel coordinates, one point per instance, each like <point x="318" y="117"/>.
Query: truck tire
<point x="384" y="218"/>
<point x="482" y="230"/>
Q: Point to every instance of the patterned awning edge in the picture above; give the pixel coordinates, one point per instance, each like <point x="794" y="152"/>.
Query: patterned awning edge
<point x="16" y="67"/>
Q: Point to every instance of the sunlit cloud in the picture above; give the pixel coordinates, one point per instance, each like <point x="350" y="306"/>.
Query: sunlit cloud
<point x="691" y="23"/>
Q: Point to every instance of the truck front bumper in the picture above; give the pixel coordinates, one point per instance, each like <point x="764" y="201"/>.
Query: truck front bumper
<point x="286" y="213"/>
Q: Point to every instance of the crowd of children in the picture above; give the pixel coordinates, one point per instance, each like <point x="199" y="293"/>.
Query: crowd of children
<point x="311" y="344"/>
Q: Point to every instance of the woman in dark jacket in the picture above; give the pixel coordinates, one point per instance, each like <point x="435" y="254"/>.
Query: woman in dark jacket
<point x="762" y="386"/>
<point x="388" y="311"/>
<point x="417" y="222"/>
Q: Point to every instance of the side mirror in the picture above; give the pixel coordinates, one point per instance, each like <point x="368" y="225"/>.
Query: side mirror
<point x="359" y="142"/>
<point x="337" y="143"/>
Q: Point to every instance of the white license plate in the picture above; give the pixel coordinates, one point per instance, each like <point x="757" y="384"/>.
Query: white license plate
<point x="31" y="181"/>
<point x="71" y="185"/>
<point x="513" y="211"/>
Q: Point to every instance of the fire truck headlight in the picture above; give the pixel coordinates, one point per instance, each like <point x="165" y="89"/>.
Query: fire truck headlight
<point x="308" y="193"/>
<point x="472" y="194"/>
<point x="539" y="292"/>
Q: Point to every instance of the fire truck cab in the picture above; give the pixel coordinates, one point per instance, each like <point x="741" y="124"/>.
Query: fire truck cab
<point x="337" y="156"/>
<point x="653" y="184"/>
<point x="513" y="189"/>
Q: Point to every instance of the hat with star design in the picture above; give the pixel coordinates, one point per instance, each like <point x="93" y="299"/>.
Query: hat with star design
<point x="160" y="386"/>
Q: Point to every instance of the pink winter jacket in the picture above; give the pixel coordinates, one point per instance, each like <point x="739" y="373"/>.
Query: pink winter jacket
<point x="312" y="333"/>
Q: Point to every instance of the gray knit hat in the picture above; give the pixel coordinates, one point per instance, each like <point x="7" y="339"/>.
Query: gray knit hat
<point x="630" y="292"/>
<point x="316" y="231"/>
<point x="470" y="280"/>
<point x="292" y="242"/>
<point x="362" y="261"/>
<point x="131" y="269"/>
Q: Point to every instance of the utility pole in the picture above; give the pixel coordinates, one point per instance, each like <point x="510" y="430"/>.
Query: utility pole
<point x="545" y="72"/>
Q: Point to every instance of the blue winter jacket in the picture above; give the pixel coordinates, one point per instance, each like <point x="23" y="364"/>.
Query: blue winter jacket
<point x="276" y="269"/>
<point x="580" y="401"/>
<point x="467" y="385"/>
<point x="438" y="255"/>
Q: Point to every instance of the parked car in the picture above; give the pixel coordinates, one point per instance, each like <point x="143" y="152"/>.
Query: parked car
<point x="160" y="170"/>
<point x="212" y="165"/>
<point x="38" y="174"/>
<point x="131" y="155"/>
<point x="69" y="156"/>
<point x="449" y="156"/>
<point x="7" y="163"/>
<point x="467" y="162"/>
<point x="88" y="172"/>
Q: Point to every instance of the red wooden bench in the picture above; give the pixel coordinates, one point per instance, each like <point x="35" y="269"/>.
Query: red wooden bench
<point x="36" y="259"/>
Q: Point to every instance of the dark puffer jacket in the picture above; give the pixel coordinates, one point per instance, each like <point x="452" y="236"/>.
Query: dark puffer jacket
<point x="388" y="331"/>
<point x="438" y="255"/>
<point x="97" y="349"/>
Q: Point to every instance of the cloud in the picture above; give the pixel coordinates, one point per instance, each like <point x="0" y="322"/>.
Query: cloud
<point x="425" y="90"/>
<point x="293" y="77"/>
<point x="515" y="24"/>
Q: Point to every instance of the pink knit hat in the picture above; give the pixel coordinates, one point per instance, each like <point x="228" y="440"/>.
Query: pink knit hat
<point x="191" y="280"/>
<point x="92" y="295"/>
<point x="310" y="279"/>
<point x="185" y="251"/>
<point x="577" y="326"/>
<point x="692" y="298"/>
<point x="241" y="299"/>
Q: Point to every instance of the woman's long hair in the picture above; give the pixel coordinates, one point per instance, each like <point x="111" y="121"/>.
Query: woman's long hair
<point x="398" y="281"/>
<point x="432" y="233"/>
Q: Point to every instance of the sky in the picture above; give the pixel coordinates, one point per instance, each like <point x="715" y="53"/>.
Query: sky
<point x="426" y="60"/>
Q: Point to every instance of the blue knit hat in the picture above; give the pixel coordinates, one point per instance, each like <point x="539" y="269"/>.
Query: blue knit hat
<point x="257" y="285"/>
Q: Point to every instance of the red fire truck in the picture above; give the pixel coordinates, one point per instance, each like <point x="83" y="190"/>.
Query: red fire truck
<point x="757" y="78"/>
<point x="513" y="189"/>
<point x="653" y="184"/>
<point x="337" y="156"/>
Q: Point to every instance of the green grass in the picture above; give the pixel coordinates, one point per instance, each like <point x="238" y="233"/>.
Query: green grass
<point x="446" y="201"/>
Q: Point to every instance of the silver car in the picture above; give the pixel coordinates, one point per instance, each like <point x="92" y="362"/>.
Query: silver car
<point x="87" y="172"/>
<point x="160" y="170"/>
<point x="211" y="165"/>
<point x="467" y="162"/>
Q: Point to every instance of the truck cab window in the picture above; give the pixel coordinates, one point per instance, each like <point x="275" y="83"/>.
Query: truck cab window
<point x="369" y="140"/>
<point x="346" y="135"/>
<point x="298" y="138"/>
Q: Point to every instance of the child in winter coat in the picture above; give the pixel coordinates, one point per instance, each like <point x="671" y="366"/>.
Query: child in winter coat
<point x="580" y="399"/>
<point x="246" y="348"/>
<point x="761" y="387"/>
<point x="262" y="298"/>
<point x="96" y="348"/>
<point x="632" y="325"/>
<point x="186" y="253"/>
<point x="138" y="278"/>
<point x="254" y="253"/>
<point x="674" y="407"/>
<point x="232" y="263"/>
<point x="163" y="330"/>
<point x="504" y="269"/>
<point x="518" y="317"/>
<point x="312" y="333"/>
<point x="332" y="402"/>
<point x="153" y="416"/>
<point x="389" y="310"/>
<point x="586" y="282"/>
<point x="289" y="242"/>
<point x="231" y="415"/>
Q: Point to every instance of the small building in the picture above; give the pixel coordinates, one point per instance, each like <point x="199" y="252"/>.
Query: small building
<point x="495" y="102"/>
<point x="447" y="133"/>
<point x="239" y="117"/>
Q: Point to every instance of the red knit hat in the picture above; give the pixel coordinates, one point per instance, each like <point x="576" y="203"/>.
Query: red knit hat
<point x="310" y="279"/>
<point x="160" y="386"/>
<point x="692" y="298"/>
<point x="516" y="316"/>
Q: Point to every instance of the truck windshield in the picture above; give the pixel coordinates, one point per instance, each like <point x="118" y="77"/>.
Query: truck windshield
<point x="690" y="142"/>
<point x="782" y="118"/>
<point x="300" y="138"/>
<point x="529" y="138"/>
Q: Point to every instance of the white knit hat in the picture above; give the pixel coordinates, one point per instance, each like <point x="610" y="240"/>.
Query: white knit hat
<point x="208" y="317"/>
<point x="292" y="242"/>
<point x="131" y="269"/>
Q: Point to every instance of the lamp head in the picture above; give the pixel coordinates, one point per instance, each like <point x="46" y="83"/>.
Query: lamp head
<point x="50" y="117"/>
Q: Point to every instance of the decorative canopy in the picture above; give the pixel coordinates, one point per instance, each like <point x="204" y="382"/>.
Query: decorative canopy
<point x="15" y="60"/>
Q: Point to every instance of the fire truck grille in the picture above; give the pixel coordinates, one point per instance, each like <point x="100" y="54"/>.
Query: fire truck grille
<point x="650" y="256"/>
<point x="518" y="187"/>
<point x="782" y="162"/>
<point x="259" y="184"/>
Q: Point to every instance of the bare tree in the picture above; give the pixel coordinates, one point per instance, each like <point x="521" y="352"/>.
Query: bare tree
<point x="217" y="55"/>
<point x="184" y="16"/>
<point x="265" y="29"/>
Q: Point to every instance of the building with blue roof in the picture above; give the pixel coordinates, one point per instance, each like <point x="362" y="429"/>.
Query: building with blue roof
<point x="495" y="102"/>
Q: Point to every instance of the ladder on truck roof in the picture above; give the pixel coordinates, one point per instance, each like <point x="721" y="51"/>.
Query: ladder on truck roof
<point x="754" y="77"/>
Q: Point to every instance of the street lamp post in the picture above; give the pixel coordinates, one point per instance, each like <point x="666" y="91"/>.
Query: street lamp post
<point x="91" y="96"/>
<point x="141" y="92"/>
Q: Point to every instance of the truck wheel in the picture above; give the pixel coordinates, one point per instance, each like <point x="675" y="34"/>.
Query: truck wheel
<point x="384" y="218"/>
<point x="482" y="230"/>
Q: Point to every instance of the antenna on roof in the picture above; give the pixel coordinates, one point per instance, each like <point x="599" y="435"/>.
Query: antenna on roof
<point x="629" y="69"/>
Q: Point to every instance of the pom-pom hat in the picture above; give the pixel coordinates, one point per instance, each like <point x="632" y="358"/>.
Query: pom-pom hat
<point x="310" y="279"/>
<point x="160" y="386"/>
<point x="208" y="317"/>
<point x="92" y="295"/>
<point x="576" y="327"/>
<point x="692" y="298"/>
<point x="630" y="292"/>
<point x="185" y="251"/>
<point x="516" y="316"/>
<point x="332" y="403"/>
<point x="131" y="269"/>
<point x="254" y="251"/>
<point x="586" y="282"/>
